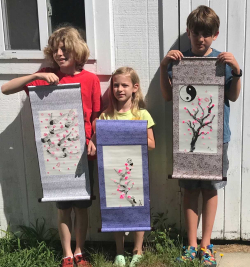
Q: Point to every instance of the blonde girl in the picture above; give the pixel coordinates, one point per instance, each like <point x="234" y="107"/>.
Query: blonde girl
<point x="126" y="103"/>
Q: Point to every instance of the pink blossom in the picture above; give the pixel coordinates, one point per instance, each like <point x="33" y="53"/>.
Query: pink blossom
<point x="203" y="137"/>
<point x="188" y="129"/>
<point x="126" y="177"/>
<point x="45" y="134"/>
<point x="122" y="196"/>
<point x="126" y="182"/>
<point x="117" y="189"/>
<point x="185" y="108"/>
<point x="127" y="168"/>
<point x="61" y="126"/>
<point x="119" y="171"/>
<point x="126" y="164"/>
<point x="129" y="196"/>
<point x="128" y="172"/>
<point x="129" y="188"/>
<point x="47" y="159"/>
<point x="183" y="121"/>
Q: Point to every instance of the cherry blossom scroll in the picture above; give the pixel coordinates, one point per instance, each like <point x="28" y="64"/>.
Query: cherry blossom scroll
<point x="122" y="154"/>
<point x="198" y="109"/>
<point x="60" y="141"/>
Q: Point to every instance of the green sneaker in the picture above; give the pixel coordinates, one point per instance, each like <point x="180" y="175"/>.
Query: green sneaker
<point x="120" y="261"/>
<point x="189" y="254"/>
<point x="136" y="258"/>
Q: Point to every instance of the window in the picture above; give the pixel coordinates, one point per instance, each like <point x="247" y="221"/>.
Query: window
<point x="25" y="26"/>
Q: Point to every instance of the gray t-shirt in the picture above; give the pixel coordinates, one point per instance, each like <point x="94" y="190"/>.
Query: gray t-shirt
<point x="228" y="79"/>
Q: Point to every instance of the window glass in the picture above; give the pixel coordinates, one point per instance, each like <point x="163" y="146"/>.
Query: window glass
<point x="21" y="28"/>
<point x="67" y="12"/>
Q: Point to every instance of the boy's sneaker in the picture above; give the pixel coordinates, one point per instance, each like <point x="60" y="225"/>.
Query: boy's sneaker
<point x="81" y="261"/>
<point x="207" y="256"/>
<point x="120" y="261"/>
<point x="189" y="254"/>
<point x="67" y="262"/>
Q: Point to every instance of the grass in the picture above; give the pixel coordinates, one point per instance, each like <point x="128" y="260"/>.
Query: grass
<point x="35" y="246"/>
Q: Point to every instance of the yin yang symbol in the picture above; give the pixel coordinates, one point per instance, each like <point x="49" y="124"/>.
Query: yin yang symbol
<point x="187" y="93"/>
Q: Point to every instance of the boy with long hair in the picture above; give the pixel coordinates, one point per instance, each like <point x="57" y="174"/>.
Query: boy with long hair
<point x="68" y="52"/>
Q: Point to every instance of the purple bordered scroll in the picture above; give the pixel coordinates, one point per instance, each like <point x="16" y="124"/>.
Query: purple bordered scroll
<point x="122" y="153"/>
<point x="198" y="108"/>
<point x="60" y="141"/>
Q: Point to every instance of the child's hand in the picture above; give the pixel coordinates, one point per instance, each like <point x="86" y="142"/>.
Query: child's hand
<point x="50" y="78"/>
<point x="91" y="148"/>
<point x="229" y="59"/>
<point x="171" y="55"/>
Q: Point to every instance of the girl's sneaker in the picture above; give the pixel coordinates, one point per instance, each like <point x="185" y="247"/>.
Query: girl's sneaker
<point x="189" y="254"/>
<point x="67" y="262"/>
<point x="207" y="256"/>
<point x="136" y="258"/>
<point x="120" y="261"/>
<point x="81" y="261"/>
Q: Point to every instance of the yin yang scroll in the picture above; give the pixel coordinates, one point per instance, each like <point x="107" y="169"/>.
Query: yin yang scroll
<point x="198" y="107"/>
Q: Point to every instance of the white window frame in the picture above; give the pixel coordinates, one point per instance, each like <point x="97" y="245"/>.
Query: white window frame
<point x="99" y="33"/>
<point x="44" y="33"/>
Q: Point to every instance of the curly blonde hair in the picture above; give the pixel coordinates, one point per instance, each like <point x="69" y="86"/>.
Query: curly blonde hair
<point x="73" y="42"/>
<point x="137" y="97"/>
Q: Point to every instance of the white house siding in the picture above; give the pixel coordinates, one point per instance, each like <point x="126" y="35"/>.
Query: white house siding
<point x="140" y="33"/>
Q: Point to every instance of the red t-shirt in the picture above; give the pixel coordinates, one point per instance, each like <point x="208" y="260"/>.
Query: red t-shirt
<point x="90" y="90"/>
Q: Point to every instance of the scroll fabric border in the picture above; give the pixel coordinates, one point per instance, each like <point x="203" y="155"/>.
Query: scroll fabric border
<point x="203" y="73"/>
<point x="60" y="141"/>
<point x="117" y="134"/>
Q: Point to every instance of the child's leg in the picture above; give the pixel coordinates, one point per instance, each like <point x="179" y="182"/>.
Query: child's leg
<point x="210" y="202"/>
<point x="64" y="228"/>
<point x="138" y="241"/>
<point x="119" y="240"/>
<point x="190" y="203"/>
<point x="80" y="227"/>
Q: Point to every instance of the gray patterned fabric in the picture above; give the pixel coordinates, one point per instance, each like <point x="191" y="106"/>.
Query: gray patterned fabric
<point x="197" y="163"/>
<point x="60" y="140"/>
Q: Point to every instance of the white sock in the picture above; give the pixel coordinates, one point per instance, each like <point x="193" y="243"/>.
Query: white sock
<point x="78" y="254"/>
<point x="68" y="257"/>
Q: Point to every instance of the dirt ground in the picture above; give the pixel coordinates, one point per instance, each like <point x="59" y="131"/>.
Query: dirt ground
<point x="232" y="248"/>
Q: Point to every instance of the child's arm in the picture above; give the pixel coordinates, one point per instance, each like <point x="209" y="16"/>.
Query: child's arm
<point x="151" y="139"/>
<point x="234" y="90"/>
<point x="92" y="141"/>
<point x="92" y="145"/>
<point x="166" y="86"/>
<point x="17" y="84"/>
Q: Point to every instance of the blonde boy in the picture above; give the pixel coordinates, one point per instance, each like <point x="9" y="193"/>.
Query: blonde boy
<point x="68" y="53"/>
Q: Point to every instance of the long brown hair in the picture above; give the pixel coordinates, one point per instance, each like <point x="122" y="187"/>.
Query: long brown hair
<point x="137" y="97"/>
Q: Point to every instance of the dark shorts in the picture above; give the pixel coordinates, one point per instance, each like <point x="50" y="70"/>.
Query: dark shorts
<point x="210" y="185"/>
<point x="81" y="204"/>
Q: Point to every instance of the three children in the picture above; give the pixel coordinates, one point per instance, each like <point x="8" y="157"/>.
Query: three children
<point x="68" y="52"/>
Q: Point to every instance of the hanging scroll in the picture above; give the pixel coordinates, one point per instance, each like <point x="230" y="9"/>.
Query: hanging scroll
<point x="122" y="154"/>
<point x="60" y="141"/>
<point x="198" y="106"/>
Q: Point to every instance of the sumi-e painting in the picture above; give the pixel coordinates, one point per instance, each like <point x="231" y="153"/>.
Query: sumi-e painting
<point x="198" y="118"/>
<point x="60" y="140"/>
<point x="123" y="176"/>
